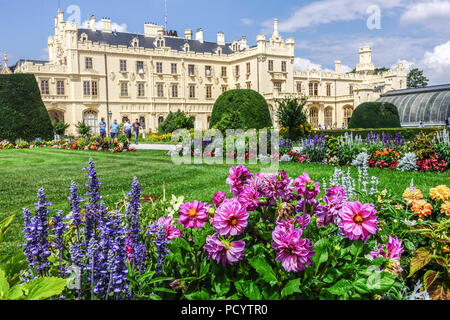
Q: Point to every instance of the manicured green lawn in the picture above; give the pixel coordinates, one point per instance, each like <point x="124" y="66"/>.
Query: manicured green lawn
<point x="23" y="172"/>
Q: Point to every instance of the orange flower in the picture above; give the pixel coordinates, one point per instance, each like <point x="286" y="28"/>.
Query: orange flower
<point x="445" y="208"/>
<point x="412" y="194"/>
<point x="421" y="208"/>
<point x="440" y="193"/>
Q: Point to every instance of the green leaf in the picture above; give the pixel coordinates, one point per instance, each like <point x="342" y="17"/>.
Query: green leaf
<point x="360" y="285"/>
<point x="421" y="258"/>
<point x="248" y="289"/>
<point x="164" y="290"/>
<point x="321" y="256"/>
<point x="16" y="293"/>
<point x="292" y="287"/>
<point x="154" y="297"/>
<point x="4" y="226"/>
<point x="341" y="287"/>
<point x="161" y="280"/>
<point x="429" y="277"/>
<point x="220" y="282"/>
<point x="181" y="243"/>
<point x="44" y="288"/>
<point x="4" y="286"/>
<point x="264" y="270"/>
<point x="199" y="295"/>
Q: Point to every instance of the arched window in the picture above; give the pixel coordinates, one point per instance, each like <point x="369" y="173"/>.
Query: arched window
<point x="328" y="117"/>
<point x="90" y="118"/>
<point x="160" y="121"/>
<point x="186" y="47"/>
<point x="56" y="115"/>
<point x="84" y="38"/>
<point x="314" y="116"/>
<point x="348" y="112"/>
<point x="159" y="42"/>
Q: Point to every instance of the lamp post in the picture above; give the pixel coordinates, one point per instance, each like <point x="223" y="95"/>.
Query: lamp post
<point x="109" y="121"/>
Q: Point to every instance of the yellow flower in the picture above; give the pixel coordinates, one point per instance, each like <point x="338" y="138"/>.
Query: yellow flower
<point x="440" y="193"/>
<point x="421" y="208"/>
<point x="445" y="208"/>
<point x="412" y="194"/>
<point x="399" y="207"/>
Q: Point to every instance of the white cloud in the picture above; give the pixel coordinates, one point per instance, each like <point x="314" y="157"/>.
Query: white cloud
<point x="436" y="64"/>
<point x="114" y="26"/>
<point x="247" y="21"/>
<point x="328" y="11"/>
<point x="303" y="64"/>
<point x="433" y="14"/>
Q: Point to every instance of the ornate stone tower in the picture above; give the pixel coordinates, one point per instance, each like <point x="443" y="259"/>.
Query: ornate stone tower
<point x="365" y="65"/>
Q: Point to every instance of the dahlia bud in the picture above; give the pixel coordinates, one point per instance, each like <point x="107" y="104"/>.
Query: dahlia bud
<point x="286" y="210"/>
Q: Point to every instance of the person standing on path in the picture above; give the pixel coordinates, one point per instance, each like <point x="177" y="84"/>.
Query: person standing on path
<point x="102" y="126"/>
<point x="136" y="128"/>
<point x="114" y="127"/>
<point x="127" y="130"/>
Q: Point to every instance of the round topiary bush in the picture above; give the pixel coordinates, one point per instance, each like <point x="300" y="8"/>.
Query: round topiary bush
<point x="375" y="115"/>
<point x="249" y="104"/>
<point x="22" y="113"/>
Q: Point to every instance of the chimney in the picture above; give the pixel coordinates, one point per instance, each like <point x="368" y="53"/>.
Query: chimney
<point x="337" y="66"/>
<point x="221" y="39"/>
<point x="106" y="25"/>
<point x="92" y="26"/>
<point x="60" y="16"/>
<point x="188" y="34"/>
<point x="150" y="30"/>
<point x="199" y="35"/>
<point x="275" y="28"/>
<point x="243" y="42"/>
<point x="160" y="30"/>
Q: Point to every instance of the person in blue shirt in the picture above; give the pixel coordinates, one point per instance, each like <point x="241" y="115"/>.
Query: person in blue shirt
<point x="114" y="127"/>
<point x="102" y="126"/>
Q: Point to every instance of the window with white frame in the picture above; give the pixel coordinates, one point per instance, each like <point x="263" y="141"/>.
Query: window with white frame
<point x="86" y="88"/>
<point x="141" y="90"/>
<point x="160" y="90"/>
<point x="270" y="65"/>
<point x="44" y="87"/>
<point x="277" y="86"/>
<point x="208" y="71"/>
<point x="140" y="67"/>
<point x="159" y="67"/>
<point x="173" y="68"/>
<point x="124" y="89"/>
<point x="174" y="91"/>
<point x="191" y="91"/>
<point x="224" y="72"/>
<point x="191" y="69"/>
<point x="283" y="66"/>
<point x="208" y="92"/>
<point x="60" y="88"/>
<point x="88" y="63"/>
<point x="94" y="85"/>
<point x="90" y="118"/>
<point x="123" y="65"/>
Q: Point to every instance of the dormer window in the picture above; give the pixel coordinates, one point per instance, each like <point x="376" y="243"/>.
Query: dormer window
<point x="186" y="47"/>
<point x="135" y="43"/>
<point x="219" y="51"/>
<point x="159" y="42"/>
<point x="235" y="46"/>
<point x="84" y="38"/>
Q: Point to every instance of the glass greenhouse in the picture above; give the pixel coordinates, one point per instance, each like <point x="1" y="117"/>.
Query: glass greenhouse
<point x="430" y="104"/>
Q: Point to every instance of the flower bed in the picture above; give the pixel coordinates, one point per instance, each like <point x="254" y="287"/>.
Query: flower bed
<point x="271" y="237"/>
<point x="92" y="144"/>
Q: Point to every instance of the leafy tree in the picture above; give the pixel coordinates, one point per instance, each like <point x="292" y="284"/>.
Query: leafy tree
<point x="175" y="121"/>
<point x="372" y="115"/>
<point x="23" y="114"/>
<point x="291" y="116"/>
<point x="380" y="70"/>
<point x="231" y="120"/>
<point x="83" y="129"/>
<point x="60" y="127"/>
<point x="416" y="79"/>
<point x="252" y="107"/>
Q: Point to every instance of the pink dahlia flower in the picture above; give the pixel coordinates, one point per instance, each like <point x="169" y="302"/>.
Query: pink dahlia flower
<point x="231" y="218"/>
<point x="237" y="179"/>
<point x="273" y="186"/>
<point x="249" y="198"/>
<point x="306" y="187"/>
<point x="193" y="214"/>
<point x="335" y="198"/>
<point x="171" y="231"/>
<point x="393" y="249"/>
<point x="224" y="252"/>
<point x="219" y="197"/>
<point x="358" y="221"/>
<point x="293" y="252"/>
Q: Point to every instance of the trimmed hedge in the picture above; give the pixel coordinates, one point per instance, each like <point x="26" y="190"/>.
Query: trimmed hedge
<point x="251" y="106"/>
<point x="22" y="113"/>
<point x="408" y="133"/>
<point x="375" y="115"/>
<point x="175" y="121"/>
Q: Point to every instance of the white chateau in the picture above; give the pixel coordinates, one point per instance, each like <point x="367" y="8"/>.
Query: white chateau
<point x="93" y="74"/>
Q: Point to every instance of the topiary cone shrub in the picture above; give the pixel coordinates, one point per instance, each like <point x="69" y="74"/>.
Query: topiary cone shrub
<point x="375" y="115"/>
<point x="246" y="105"/>
<point x="22" y="113"/>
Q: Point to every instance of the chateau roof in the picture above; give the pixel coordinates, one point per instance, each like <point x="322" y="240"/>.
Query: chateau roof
<point x="125" y="39"/>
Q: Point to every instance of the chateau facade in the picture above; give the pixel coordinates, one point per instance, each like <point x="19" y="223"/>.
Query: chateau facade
<point x="93" y="74"/>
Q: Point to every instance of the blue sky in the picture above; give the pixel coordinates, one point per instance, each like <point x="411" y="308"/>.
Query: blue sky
<point x="416" y="32"/>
